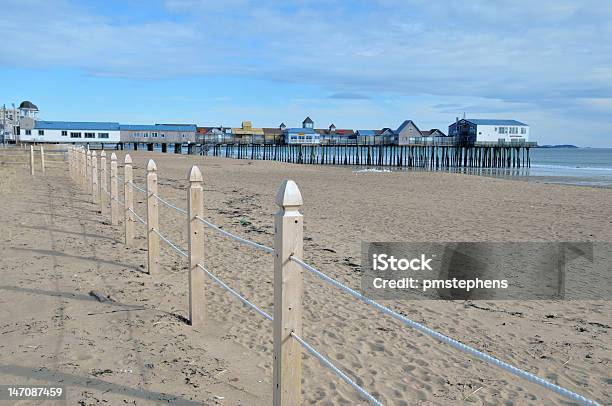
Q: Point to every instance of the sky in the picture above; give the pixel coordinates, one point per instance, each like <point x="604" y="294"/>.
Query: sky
<point x="358" y="64"/>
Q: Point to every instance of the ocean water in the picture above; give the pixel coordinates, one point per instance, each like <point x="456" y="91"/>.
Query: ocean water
<point x="575" y="166"/>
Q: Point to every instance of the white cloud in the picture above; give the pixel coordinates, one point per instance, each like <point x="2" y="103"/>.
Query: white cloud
<point x="509" y="55"/>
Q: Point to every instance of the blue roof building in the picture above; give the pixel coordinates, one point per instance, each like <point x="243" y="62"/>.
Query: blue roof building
<point x="76" y="125"/>
<point x="301" y="136"/>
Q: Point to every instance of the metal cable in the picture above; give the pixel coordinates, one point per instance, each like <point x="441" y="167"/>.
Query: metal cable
<point x="235" y="237"/>
<point x="170" y="243"/>
<point x="170" y="204"/>
<point x="236" y="294"/>
<point x="137" y="188"/>
<point x="138" y="217"/>
<point x="450" y="341"/>
<point x="335" y="369"/>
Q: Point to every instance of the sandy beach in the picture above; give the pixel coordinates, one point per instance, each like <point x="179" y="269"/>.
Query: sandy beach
<point x="77" y="307"/>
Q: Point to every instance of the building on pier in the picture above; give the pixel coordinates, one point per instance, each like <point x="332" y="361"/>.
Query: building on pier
<point x="86" y="132"/>
<point x="471" y="131"/>
<point x="158" y="133"/>
<point x="214" y="135"/>
<point x="433" y="136"/>
<point x="407" y="130"/>
<point x="304" y="135"/>
<point x="274" y="135"/>
<point x="369" y="137"/>
<point x="247" y="134"/>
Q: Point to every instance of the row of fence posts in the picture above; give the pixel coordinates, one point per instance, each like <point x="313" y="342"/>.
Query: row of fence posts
<point x="288" y="241"/>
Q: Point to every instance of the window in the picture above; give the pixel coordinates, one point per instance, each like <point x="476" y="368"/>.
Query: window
<point x="154" y="135"/>
<point x="19" y="131"/>
<point x="102" y="135"/>
<point x="163" y="135"/>
<point x="513" y="130"/>
<point x="65" y="133"/>
<point x="41" y="132"/>
<point x="503" y="130"/>
<point x="523" y="130"/>
<point x="75" y="135"/>
<point x="495" y="129"/>
<point x="90" y="135"/>
<point x="28" y="132"/>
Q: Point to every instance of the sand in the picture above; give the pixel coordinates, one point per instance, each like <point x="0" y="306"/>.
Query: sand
<point x="57" y="248"/>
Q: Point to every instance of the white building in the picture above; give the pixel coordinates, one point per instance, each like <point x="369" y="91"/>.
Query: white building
<point x="471" y="130"/>
<point x="26" y="127"/>
<point x="70" y="132"/>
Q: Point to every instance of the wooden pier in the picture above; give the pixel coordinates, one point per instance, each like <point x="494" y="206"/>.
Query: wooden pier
<point x="403" y="156"/>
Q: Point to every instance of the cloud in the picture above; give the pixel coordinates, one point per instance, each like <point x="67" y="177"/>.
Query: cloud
<point x="511" y="56"/>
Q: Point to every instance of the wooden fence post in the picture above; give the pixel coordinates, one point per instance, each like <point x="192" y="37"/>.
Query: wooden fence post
<point x="32" y="160"/>
<point x="79" y="166"/>
<point x="195" y="203"/>
<point x="288" y="241"/>
<point x="88" y="172"/>
<point x="70" y="162"/>
<point x="114" y="191"/>
<point x="103" y="183"/>
<point x="128" y="195"/>
<point x="95" y="187"/>
<point x="152" y="219"/>
<point x="42" y="159"/>
<point x="84" y="169"/>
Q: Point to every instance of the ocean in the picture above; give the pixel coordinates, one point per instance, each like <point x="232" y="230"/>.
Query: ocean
<point x="574" y="166"/>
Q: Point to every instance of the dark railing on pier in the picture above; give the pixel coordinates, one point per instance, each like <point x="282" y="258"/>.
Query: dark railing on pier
<point x="406" y="156"/>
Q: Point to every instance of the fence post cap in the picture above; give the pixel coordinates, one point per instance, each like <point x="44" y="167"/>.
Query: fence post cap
<point x="289" y="195"/>
<point x="128" y="159"/>
<point x="151" y="166"/>
<point x="102" y="153"/>
<point x="93" y="153"/>
<point x="195" y="175"/>
<point x="113" y="157"/>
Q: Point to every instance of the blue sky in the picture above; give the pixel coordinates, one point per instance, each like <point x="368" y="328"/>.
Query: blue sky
<point x="357" y="64"/>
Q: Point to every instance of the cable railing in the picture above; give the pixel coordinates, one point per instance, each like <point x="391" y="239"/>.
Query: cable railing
<point x="447" y="340"/>
<point x="236" y="294"/>
<point x="140" y="219"/>
<point x="333" y="282"/>
<point x="235" y="237"/>
<point x="326" y="362"/>
<point x="171" y="244"/>
<point x="132" y="184"/>
<point x="170" y="205"/>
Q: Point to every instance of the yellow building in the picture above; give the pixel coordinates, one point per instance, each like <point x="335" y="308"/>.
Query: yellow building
<point x="247" y="134"/>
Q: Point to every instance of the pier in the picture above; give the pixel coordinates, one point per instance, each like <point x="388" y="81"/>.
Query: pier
<point x="403" y="156"/>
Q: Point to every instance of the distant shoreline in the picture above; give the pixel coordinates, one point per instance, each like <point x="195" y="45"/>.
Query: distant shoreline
<point x="558" y="146"/>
